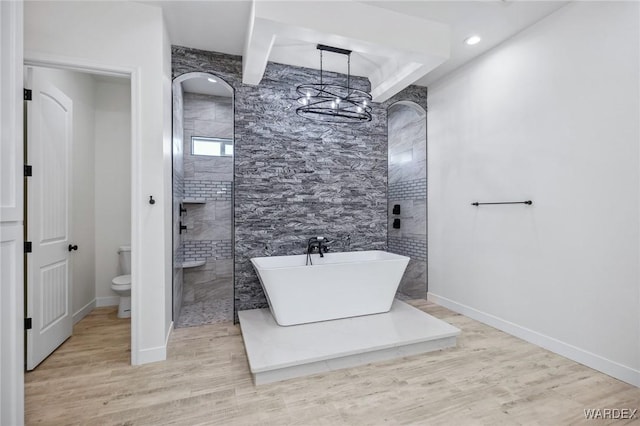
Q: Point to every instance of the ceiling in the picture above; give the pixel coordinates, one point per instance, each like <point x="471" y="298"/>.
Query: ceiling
<point x="222" y="26"/>
<point x="493" y="21"/>
<point x="204" y="86"/>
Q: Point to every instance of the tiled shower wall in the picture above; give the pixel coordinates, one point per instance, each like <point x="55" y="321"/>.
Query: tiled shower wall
<point x="408" y="189"/>
<point x="208" y="190"/>
<point x="296" y="178"/>
<point x="208" y="289"/>
<point x="178" y="193"/>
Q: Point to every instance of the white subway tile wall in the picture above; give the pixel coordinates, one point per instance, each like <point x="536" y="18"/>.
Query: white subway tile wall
<point x="208" y="190"/>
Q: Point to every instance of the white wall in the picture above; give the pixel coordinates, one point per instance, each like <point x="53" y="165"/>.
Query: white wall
<point x="551" y="115"/>
<point x="79" y="87"/>
<point x="113" y="181"/>
<point x="131" y="37"/>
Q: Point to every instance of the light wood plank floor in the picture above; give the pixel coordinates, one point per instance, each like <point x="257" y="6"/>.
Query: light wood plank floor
<point x="491" y="378"/>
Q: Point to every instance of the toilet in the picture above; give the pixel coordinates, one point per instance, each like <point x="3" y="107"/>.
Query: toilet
<point x="122" y="283"/>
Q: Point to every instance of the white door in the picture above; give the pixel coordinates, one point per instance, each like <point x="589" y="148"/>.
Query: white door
<point x="49" y="133"/>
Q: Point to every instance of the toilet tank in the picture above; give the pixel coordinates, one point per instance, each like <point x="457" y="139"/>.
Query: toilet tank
<point x="124" y="255"/>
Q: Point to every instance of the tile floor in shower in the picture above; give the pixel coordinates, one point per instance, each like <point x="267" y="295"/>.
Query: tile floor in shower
<point x="207" y="302"/>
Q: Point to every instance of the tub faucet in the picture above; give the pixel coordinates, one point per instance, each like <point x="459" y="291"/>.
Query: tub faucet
<point x="319" y="244"/>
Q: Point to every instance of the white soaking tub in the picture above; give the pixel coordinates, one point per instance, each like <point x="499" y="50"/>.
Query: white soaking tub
<point x="339" y="285"/>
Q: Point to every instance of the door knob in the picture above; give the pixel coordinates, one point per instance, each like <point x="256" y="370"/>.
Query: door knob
<point x="73" y="247"/>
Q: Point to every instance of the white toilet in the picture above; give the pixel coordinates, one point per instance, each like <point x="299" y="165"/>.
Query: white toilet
<point x="122" y="283"/>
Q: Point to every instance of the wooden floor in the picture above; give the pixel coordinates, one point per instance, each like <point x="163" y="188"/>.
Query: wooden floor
<point x="491" y="378"/>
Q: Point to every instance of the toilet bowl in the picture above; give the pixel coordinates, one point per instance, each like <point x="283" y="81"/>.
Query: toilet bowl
<point x="121" y="284"/>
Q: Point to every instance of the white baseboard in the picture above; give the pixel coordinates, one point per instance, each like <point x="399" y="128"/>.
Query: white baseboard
<point x="159" y="353"/>
<point x="107" y="301"/>
<point x="597" y="362"/>
<point x="146" y="356"/>
<point x="84" y="311"/>
<point x="169" y="331"/>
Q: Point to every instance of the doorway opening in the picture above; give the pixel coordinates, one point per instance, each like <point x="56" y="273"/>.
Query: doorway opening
<point x="203" y="166"/>
<point x="77" y="202"/>
<point x="407" y="210"/>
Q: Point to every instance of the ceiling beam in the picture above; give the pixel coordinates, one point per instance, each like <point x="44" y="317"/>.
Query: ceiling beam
<point x="410" y="46"/>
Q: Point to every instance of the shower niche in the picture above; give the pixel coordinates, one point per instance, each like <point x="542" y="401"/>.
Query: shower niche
<point x="203" y="142"/>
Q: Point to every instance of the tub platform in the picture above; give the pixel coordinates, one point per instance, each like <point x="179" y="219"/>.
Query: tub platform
<point x="278" y="353"/>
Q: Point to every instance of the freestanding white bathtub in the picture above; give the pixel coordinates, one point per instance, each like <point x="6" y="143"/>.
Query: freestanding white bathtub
<point x="339" y="285"/>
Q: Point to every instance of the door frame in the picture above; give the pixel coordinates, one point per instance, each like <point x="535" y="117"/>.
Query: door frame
<point x="11" y="216"/>
<point x="133" y="73"/>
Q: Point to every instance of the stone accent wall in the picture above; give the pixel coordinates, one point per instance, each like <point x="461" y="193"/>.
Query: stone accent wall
<point x="295" y="178"/>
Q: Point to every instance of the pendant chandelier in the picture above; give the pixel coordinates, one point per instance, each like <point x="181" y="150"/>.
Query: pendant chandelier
<point x="334" y="103"/>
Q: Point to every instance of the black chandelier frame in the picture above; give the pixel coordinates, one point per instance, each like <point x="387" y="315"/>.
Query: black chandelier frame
<point x="333" y="103"/>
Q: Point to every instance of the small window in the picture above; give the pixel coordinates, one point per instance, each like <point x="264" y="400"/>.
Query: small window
<point x="215" y="147"/>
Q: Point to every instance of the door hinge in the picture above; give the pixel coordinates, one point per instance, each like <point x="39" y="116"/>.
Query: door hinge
<point x="27" y="94"/>
<point x="27" y="324"/>
<point x="28" y="170"/>
<point x="28" y="247"/>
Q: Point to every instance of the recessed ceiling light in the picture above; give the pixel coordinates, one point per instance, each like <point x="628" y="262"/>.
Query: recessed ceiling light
<point x="474" y="39"/>
<point x="213" y="80"/>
